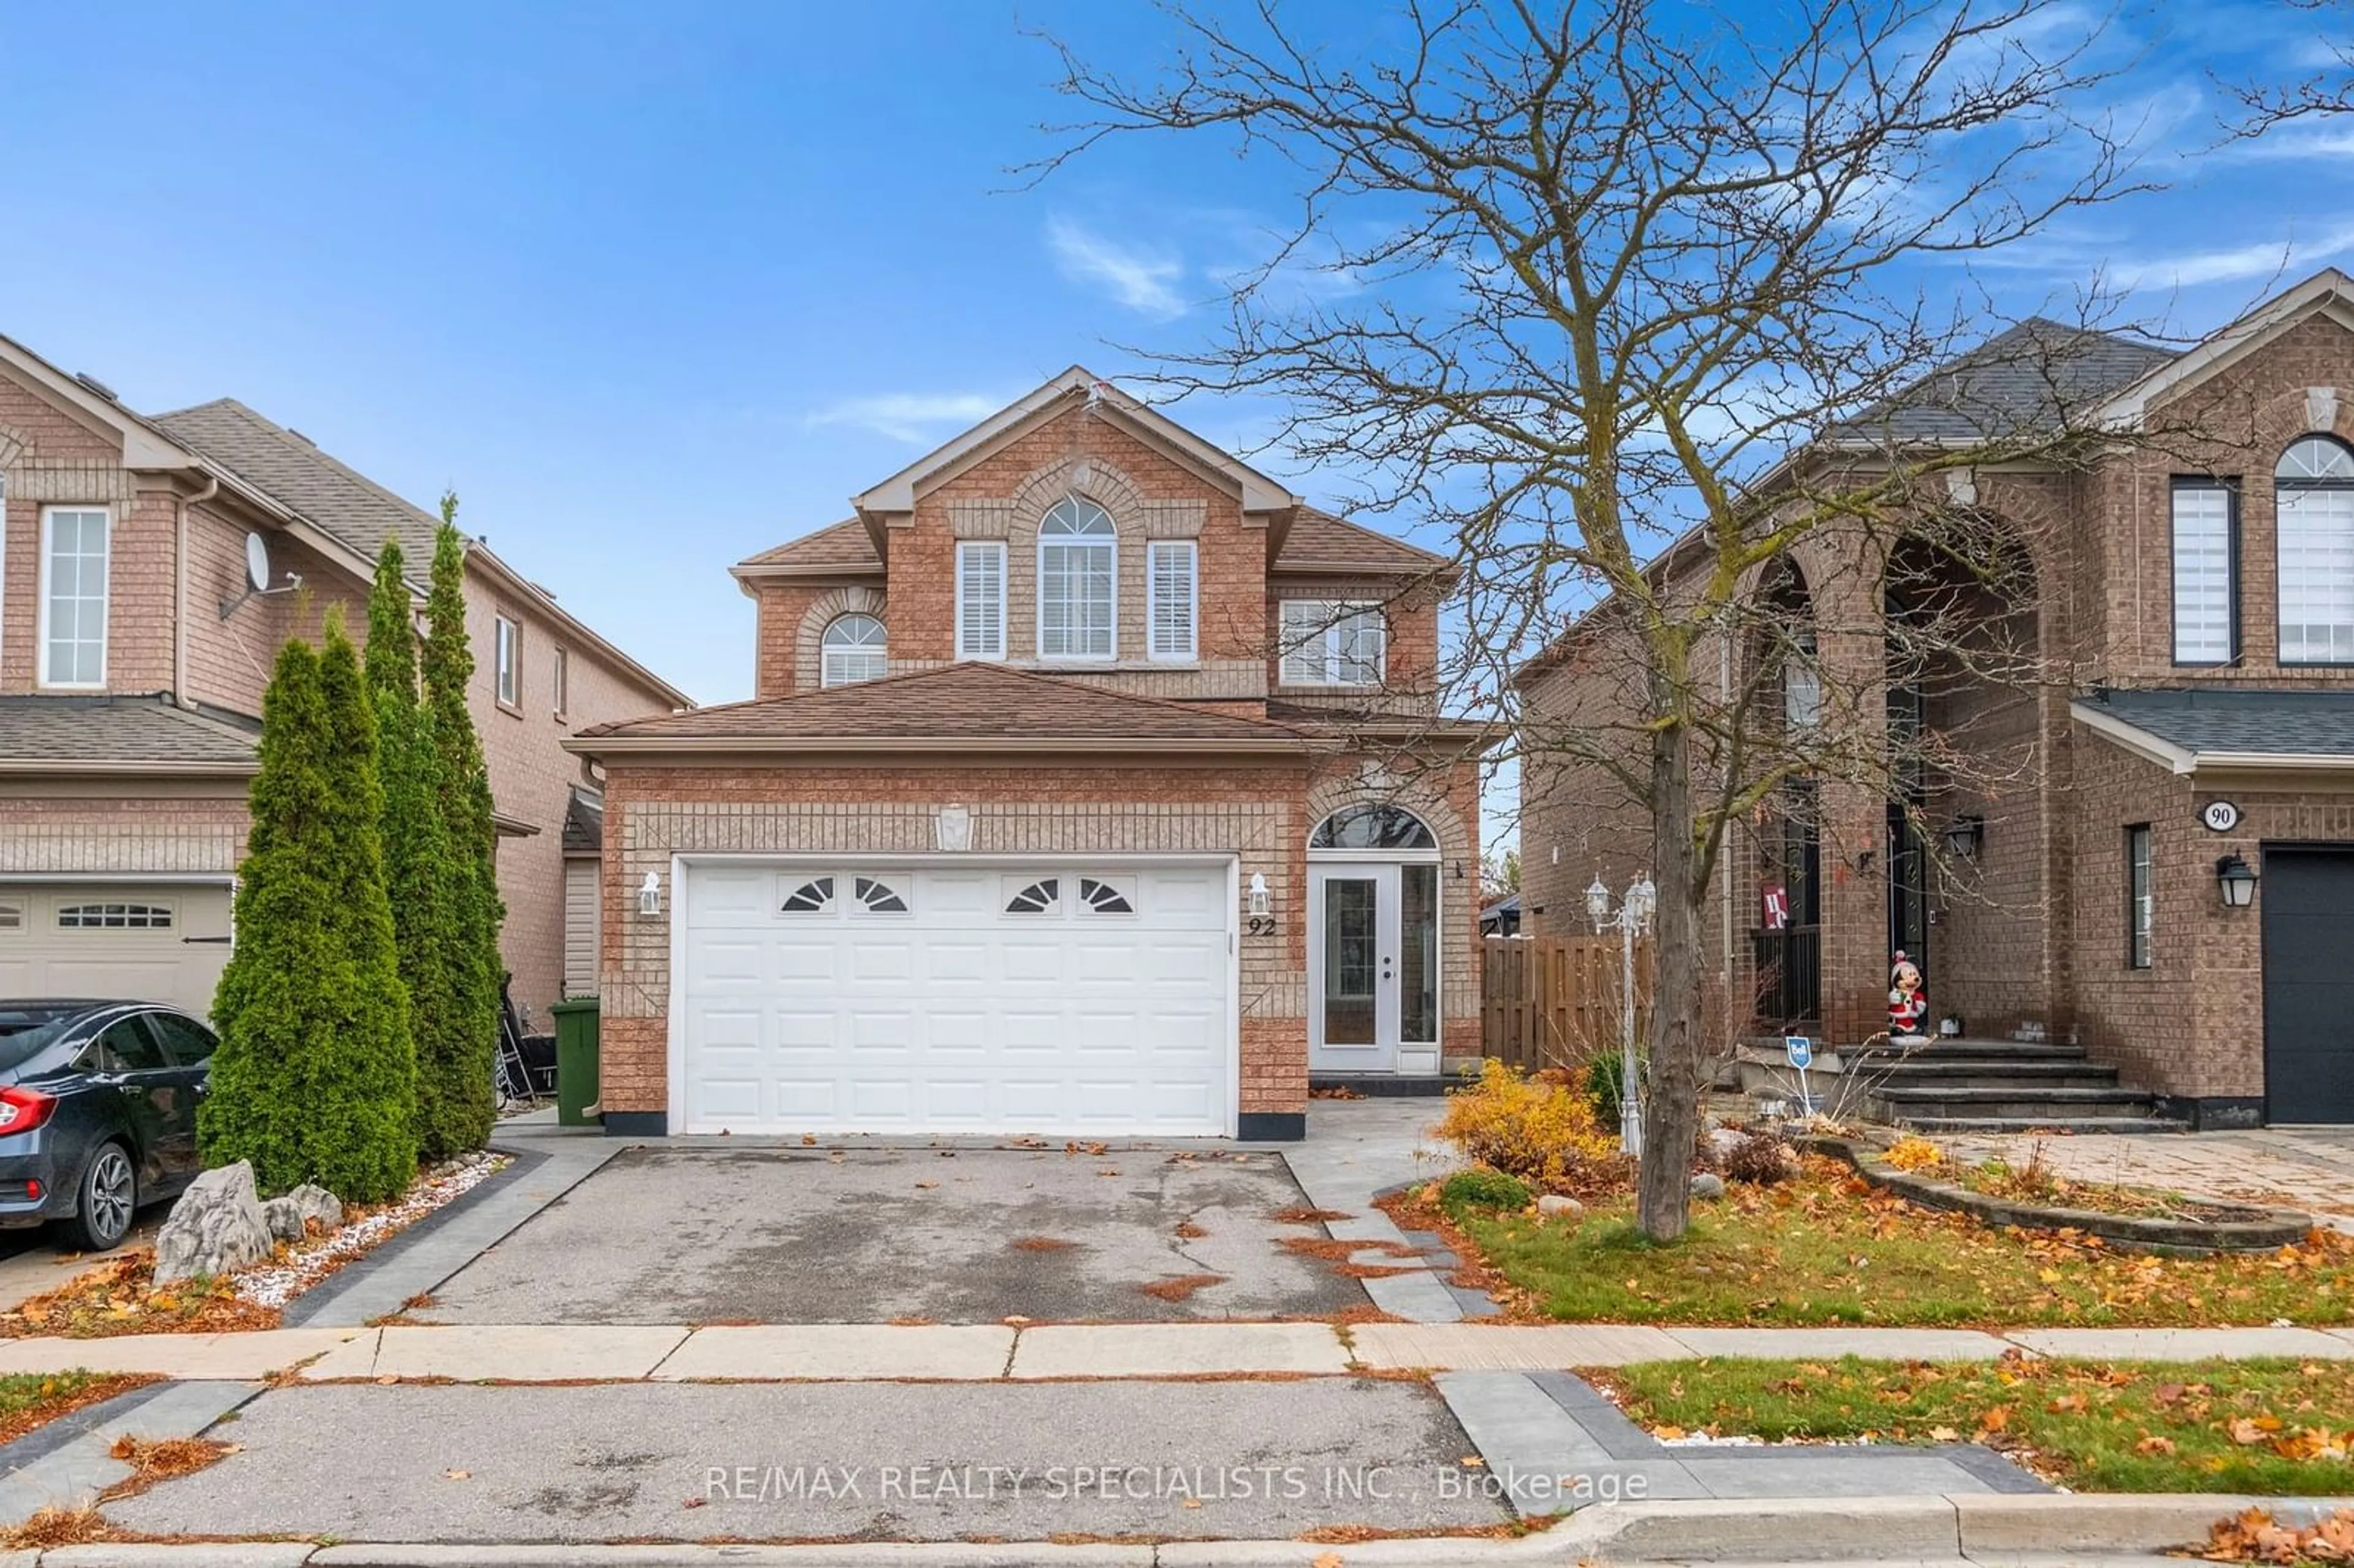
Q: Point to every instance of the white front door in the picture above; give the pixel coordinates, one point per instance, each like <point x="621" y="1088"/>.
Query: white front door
<point x="956" y="997"/>
<point x="1372" y="967"/>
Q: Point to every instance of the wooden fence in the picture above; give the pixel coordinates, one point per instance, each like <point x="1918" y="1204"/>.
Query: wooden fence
<point x="1550" y="1001"/>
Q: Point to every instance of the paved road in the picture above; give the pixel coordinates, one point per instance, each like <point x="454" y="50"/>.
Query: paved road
<point x="364" y="1462"/>
<point x="788" y="1236"/>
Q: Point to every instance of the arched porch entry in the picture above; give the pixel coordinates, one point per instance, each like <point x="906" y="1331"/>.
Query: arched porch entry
<point x="1373" y="927"/>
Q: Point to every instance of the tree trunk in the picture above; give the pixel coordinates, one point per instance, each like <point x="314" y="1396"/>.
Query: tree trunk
<point x="1671" y="1098"/>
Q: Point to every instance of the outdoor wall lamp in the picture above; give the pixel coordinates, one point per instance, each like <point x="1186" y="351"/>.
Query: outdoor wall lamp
<point x="650" y="896"/>
<point x="1965" y="836"/>
<point x="1259" y="900"/>
<point x="2237" y="879"/>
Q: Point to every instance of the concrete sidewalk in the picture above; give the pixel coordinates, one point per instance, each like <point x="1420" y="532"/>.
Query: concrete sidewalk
<point x="861" y="1353"/>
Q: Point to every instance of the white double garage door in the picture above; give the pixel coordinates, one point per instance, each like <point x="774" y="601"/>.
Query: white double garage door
<point x="954" y="997"/>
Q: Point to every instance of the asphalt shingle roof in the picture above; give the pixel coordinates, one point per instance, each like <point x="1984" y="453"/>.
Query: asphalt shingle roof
<point x="290" y="469"/>
<point x="2230" y="719"/>
<point x="959" y="702"/>
<point x="1319" y="540"/>
<point x="584" y="822"/>
<point x="846" y="544"/>
<point x="118" y="730"/>
<point x="2017" y="381"/>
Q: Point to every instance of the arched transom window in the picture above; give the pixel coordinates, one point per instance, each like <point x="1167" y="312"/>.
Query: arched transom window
<point x="2313" y="489"/>
<point x="1079" y="573"/>
<point x="1371" y="828"/>
<point x="854" y="649"/>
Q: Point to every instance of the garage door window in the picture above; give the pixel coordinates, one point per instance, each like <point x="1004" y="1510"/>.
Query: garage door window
<point x="12" y="916"/>
<point x="1041" y="898"/>
<point x="814" y="896"/>
<point x="1100" y="897"/>
<point x="880" y="898"/>
<point x="115" y="917"/>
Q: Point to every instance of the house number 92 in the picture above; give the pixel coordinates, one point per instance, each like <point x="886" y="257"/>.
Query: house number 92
<point x="1259" y="925"/>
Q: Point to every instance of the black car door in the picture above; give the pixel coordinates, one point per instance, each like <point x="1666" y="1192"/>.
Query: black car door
<point x="189" y="1046"/>
<point x="132" y="1058"/>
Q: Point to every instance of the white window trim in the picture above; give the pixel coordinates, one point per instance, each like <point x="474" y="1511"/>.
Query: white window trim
<point x="827" y="653"/>
<point x="1192" y="652"/>
<point x="1109" y="544"/>
<point x="997" y="548"/>
<point x="1333" y="612"/>
<point x="560" y="675"/>
<point x="507" y="661"/>
<point x="41" y="619"/>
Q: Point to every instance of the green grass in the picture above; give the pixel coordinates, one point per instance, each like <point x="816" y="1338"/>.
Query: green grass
<point x="29" y="1399"/>
<point x="2276" y="1427"/>
<point x="1828" y="1249"/>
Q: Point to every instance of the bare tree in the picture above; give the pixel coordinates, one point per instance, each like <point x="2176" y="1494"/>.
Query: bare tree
<point x="2325" y="93"/>
<point x="1635" y="290"/>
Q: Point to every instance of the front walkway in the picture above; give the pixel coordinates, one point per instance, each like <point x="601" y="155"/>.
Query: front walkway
<point x="2305" y="1168"/>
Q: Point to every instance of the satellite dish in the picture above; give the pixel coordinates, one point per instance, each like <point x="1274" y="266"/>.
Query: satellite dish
<point x="256" y="562"/>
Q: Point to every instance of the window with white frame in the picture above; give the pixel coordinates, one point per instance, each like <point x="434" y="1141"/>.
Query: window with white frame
<point x="75" y="541"/>
<point x="1170" y="597"/>
<point x="560" y="682"/>
<point x="981" y="599"/>
<point x="853" y="650"/>
<point x="507" y="658"/>
<point x="2313" y="488"/>
<point x="1079" y="573"/>
<point x="2206" y="561"/>
<point x="2139" y="904"/>
<point x="1331" y="643"/>
<point x="115" y="917"/>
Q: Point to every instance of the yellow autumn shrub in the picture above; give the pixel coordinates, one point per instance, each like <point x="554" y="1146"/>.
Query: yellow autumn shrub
<point x="1539" y="1130"/>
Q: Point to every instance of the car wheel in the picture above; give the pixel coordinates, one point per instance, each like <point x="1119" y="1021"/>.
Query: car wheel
<point x="109" y="1197"/>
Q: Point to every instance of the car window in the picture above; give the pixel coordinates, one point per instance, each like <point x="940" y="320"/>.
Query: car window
<point x="187" y="1042"/>
<point x="128" y="1047"/>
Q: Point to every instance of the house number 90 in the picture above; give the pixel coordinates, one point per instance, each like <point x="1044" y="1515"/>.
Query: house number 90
<point x="1259" y="925"/>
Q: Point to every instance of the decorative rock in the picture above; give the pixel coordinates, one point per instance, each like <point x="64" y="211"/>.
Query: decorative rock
<point x="1723" y="1141"/>
<point x="1708" y="1184"/>
<point x="286" y="1216"/>
<point x="1554" y="1203"/>
<point x="217" y="1226"/>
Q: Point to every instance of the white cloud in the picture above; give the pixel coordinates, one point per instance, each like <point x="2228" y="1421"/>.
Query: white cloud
<point x="2314" y="142"/>
<point x="917" y="418"/>
<point x="1141" y="279"/>
<point x="2236" y="263"/>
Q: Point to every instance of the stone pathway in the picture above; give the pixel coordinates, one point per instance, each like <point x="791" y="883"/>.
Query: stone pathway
<point x="2309" y="1169"/>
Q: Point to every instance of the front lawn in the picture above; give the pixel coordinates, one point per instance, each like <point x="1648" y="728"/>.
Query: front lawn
<point x="2276" y="1427"/>
<point x="29" y="1400"/>
<point x="1827" y="1247"/>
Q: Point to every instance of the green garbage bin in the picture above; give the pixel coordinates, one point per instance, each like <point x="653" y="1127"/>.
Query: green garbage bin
<point x="576" y="1060"/>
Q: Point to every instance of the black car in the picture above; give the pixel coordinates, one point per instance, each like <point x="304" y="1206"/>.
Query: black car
<point x="98" y="1112"/>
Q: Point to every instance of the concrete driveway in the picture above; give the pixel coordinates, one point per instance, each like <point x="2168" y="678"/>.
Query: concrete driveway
<point x="967" y="1235"/>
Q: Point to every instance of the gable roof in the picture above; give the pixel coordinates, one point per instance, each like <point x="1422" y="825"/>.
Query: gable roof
<point x="966" y="706"/>
<point x="122" y="734"/>
<point x="2028" y="380"/>
<point x="898" y="493"/>
<point x="2186" y="730"/>
<point x="838" y="549"/>
<point x="2326" y="292"/>
<point x="356" y="511"/>
<point x="1322" y="541"/>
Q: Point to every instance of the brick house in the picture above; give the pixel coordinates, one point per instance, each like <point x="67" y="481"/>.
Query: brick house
<point x="2194" y="596"/>
<point x="133" y="656"/>
<point x="1094" y="784"/>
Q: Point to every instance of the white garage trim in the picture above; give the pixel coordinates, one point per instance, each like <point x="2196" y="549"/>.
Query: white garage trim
<point x="681" y="917"/>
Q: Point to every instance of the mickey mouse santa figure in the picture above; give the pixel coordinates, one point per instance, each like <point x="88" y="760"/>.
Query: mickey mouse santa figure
<point x="1908" y="1002"/>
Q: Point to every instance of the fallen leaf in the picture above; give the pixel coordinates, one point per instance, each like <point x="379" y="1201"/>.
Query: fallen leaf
<point x="695" y="1502"/>
<point x="459" y="1475"/>
<point x="1944" y="1435"/>
<point x="2154" y="1444"/>
<point x="1667" y="1434"/>
<point x="1473" y="1462"/>
<point x="1325" y="1559"/>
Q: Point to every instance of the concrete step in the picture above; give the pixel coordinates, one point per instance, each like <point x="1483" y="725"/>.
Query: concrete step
<point x="1968" y="1049"/>
<point x="1970" y="1072"/>
<point x="2063" y="1124"/>
<point x="2009" y="1101"/>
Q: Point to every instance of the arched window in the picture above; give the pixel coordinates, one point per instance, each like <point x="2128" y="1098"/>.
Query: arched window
<point x="1371" y="828"/>
<point x="852" y="649"/>
<point x="1078" y="571"/>
<point x="2313" y="493"/>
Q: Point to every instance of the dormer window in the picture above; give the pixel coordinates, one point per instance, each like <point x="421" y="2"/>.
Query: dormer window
<point x="1079" y="573"/>
<point x="853" y="650"/>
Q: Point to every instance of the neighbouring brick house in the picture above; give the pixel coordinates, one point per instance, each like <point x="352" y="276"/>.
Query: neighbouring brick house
<point x="2165" y="877"/>
<point x="133" y="656"/>
<point x="1094" y="784"/>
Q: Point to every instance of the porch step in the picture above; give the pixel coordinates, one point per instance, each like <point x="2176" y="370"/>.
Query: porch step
<point x="2032" y="1103"/>
<point x="1380" y="1085"/>
<point x="1979" y="1051"/>
<point x="2100" y="1123"/>
<point x="1982" y="1072"/>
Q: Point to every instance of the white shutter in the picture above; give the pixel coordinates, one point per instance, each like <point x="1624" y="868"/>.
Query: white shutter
<point x="1170" y="579"/>
<point x="1304" y="634"/>
<point x="980" y="599"/>
<point x="2203" y="590"/>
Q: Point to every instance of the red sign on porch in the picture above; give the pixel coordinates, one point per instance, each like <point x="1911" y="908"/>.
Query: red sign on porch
<point x="1777" y="901"/>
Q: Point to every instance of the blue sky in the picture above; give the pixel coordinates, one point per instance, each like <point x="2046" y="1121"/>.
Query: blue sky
<point x="656" y="287"/>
